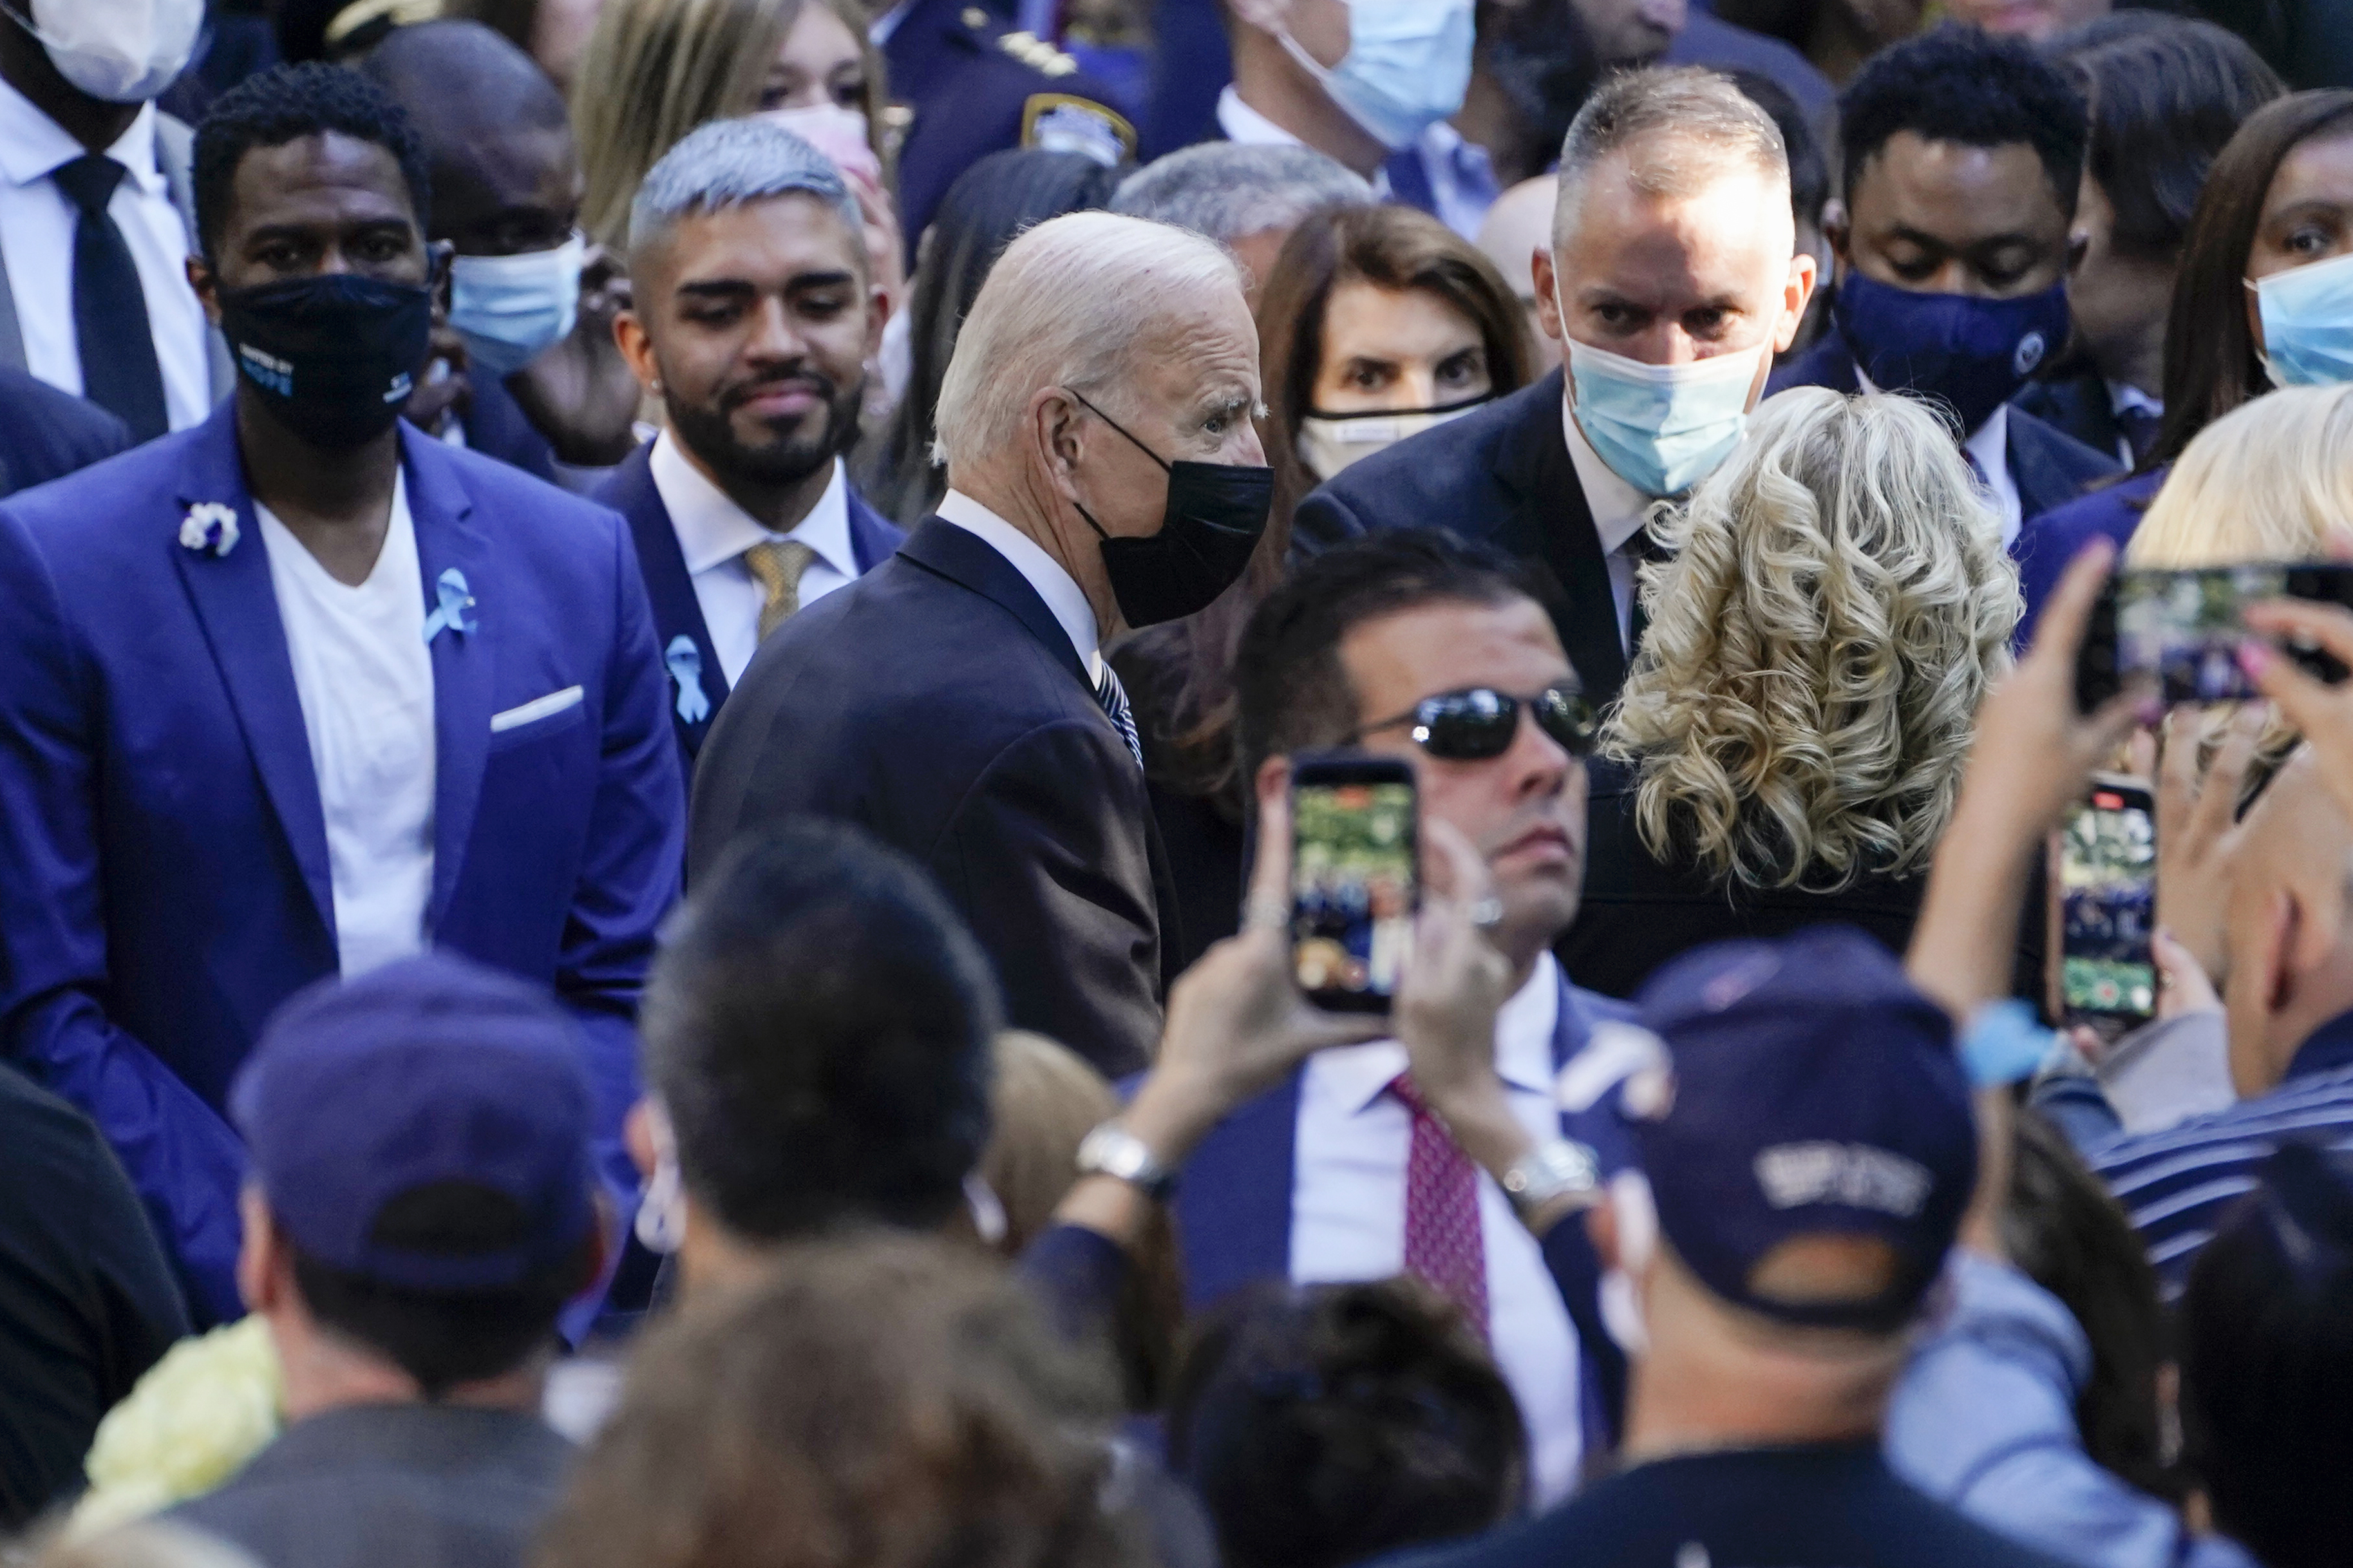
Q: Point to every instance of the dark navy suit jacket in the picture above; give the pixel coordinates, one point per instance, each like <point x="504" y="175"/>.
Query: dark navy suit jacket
<point x="678" y="614"/>
<point x="2049" y="467"/>
<point x="46" y="434"/>
<point x="164" y="869"/>
<point x="938" y="703"/>
<point x="1500" y="476"/>
<point x="2044" y="547"/>
<point x="1234" y="1206"/>
<point x="496" y="427"/>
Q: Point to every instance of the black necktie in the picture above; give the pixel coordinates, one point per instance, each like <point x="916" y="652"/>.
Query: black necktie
<point x="2139" y="426"/>
<point x="119" y="371"/>
<point x="1642" y="550"/>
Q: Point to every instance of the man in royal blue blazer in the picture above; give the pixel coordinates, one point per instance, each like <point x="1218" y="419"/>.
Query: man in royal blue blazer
<point x="1673" y="279"/>
<point x="755" y="315"/>
<point x="299" y="691"/>
<point x="1348" y="1169"/>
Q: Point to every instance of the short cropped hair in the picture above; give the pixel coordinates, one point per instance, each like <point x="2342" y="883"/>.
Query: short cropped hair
<point x="1980" y="90"/>
<point x="1327" y="1424"/>
<point x="730" y="163"/>
<point x="2267" y="1363"/>
<point x="462" y="82"/>
<point x="1698" y="121"/>
<point x="2166" y="95"/>
<point x="1227" y="189"/>
<point x="1072" y="302"/>
<point x="1809" y="171"/>
<point x="817" y="1027"/>
<point x="1292" y="691"/>
<point x="285" y="104"/>
<point x="444" y="1338"/>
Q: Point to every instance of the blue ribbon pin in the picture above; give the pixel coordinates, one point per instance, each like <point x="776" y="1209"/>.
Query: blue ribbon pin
<point x="456" y="600"/>
<point x="685" y="661"/>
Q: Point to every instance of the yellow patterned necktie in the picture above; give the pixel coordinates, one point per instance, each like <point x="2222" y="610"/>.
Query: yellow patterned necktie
<point x="776" y="564"/>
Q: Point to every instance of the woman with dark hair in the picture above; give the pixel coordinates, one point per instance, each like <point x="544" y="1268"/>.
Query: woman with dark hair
<point x="2166" y="95"/>
<point x="991" y="202"/>
<point x="2278" y="199"/>
<point x="1374" y="324"/>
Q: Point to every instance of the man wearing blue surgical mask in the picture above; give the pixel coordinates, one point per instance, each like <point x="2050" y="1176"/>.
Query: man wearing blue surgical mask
<point x="524" y="367"/>
<point x="1372" y="83"/>
<point x="1673" y="279"/>
<point x="1963" y="156"/>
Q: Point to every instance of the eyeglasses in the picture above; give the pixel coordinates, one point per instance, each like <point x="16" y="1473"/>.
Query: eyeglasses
<point x="1479" y="723"/>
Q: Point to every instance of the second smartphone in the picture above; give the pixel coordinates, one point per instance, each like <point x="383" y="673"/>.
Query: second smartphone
<point x="1355" y="878"/>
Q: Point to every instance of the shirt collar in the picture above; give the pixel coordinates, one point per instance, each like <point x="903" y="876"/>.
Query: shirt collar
<point x="2124" y="394"/>
<point x="33" y="145"/>
<point x="1246" y="125"/>
<point x="1990" y="443"/>
<point x="1619" y="509"/>
<point x="2326" y="1049"/>
<point x="1061" y="593"/>
<point x="1359" y="1075"/>
<point x="713" y="530"/>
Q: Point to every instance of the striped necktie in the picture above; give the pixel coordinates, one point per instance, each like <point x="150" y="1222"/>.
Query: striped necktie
<point x="1114" y="698"/>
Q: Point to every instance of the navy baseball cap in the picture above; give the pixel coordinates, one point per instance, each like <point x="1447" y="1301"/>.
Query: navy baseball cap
<point x="429" y="1071"/>
<point x="1816" y="1092"/>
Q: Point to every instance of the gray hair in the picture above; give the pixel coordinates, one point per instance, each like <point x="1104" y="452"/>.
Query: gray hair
<point x="729" y="163"/>
<point x="1698" y="123"/>
<point x="1070" y="303"/>
<point x="1228" y="189"/>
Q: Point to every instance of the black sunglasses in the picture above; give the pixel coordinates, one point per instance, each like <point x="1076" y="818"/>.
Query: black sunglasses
<point x="1474" y="725"/>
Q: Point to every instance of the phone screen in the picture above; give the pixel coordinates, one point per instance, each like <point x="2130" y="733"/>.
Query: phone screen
<point x="2107" y="875"/>
<point x="1352" y="889"/>
<point x="2184" y="628"/>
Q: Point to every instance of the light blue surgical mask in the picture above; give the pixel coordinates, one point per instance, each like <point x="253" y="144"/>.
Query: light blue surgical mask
<point x="1407" y="65"/>
<point x="510" y="308"/>
<point x="2307" y="315"/>
<point x="1663" y="428"/>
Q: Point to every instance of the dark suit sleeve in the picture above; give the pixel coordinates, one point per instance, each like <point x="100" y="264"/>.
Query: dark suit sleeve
<point x="183" y="1159"/>
<point x="629" y="876"/>
<point x="1047" y="856"/>
<point x="1322" y="520"/>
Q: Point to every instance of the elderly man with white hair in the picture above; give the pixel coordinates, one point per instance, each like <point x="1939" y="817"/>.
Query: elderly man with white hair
<point x="1103" y="473"/>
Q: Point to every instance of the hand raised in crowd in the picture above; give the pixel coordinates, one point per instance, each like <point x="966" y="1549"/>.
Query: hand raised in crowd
<point x="581" y="393"/>
<point x="2321" y="712"/>
<point x="2032" y="758"/>
<point x="2197" y="830"/>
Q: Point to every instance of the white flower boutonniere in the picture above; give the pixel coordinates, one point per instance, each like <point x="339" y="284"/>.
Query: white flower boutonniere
<point x="188" y="1425"/>
<point x="211" y="526"/>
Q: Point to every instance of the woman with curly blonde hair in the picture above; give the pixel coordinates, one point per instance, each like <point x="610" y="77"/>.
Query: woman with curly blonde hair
<point x="1790" y="738"/>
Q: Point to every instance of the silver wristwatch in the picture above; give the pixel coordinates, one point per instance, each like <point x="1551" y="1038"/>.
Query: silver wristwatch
<point x="1550" y="1171"/>
<point x="1112" y="1151"/>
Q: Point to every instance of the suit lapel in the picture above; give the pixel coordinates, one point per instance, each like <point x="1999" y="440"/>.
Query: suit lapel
<point x="965" y="559"/>
<point x="238" y="604"/>
<point x="871" y="540"/>
<point x="464" y="663"/>
<point x="670" y="589"/>
<point x="1233" y="1207"/>
<point x="1533" y="462"/>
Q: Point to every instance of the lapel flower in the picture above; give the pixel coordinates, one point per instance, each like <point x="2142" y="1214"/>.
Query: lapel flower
<point x="211" y="526"/>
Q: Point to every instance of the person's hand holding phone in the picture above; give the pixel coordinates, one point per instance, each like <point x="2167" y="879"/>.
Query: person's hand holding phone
<point x="2197" y="828"/>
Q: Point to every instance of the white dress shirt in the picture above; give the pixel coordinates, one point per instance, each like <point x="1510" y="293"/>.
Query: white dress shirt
<point x="37" y="244"/>
<point x="1619" y="512"/>
<point x="364" y="675"/>
<point x="713" y="534"/>
<point x="1060" y="591"/>
<point x="1347" y="1210"/>
<point x="1987" y="446"/>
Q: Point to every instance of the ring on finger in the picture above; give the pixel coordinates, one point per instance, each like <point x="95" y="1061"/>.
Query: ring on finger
<point x="1486" y="914"/>
<point x="1266" y="913"/>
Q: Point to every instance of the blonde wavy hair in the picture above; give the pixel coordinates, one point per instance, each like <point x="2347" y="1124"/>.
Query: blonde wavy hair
<point x="1839" y="603"/>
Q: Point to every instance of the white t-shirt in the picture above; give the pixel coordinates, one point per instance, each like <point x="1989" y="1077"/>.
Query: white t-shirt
<point x="366" y="679"/>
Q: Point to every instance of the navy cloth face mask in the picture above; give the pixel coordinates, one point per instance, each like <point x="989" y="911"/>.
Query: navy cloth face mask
<point x="1971" y="354"/>
<point x="335" y="356"/>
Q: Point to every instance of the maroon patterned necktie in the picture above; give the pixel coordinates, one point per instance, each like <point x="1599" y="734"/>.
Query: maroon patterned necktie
<point x="1443" y="1246"/>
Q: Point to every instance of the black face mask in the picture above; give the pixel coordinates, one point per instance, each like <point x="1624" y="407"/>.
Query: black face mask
<point x="1215" y="515"/>
<point x="335" y="356"/>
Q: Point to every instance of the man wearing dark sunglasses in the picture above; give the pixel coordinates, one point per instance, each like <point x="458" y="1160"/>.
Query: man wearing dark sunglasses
<point x="1413" y="644"/>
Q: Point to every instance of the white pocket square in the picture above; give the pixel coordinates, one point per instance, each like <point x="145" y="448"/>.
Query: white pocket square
<point x="537" y="709"/>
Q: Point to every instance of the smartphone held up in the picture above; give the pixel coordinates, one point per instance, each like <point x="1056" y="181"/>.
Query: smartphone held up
<point x="2106" y="881"/>
<point x="2181" y="630"/>
<point x="1355" y="878"/>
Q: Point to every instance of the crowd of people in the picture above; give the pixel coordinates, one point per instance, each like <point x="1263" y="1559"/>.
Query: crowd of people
<point x="670" y="675"/>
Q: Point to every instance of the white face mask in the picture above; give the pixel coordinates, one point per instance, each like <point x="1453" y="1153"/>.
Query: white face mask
<point x="1330" y="442"/>
<point x="124" y="51"/>
<point x="840" y="133"/>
